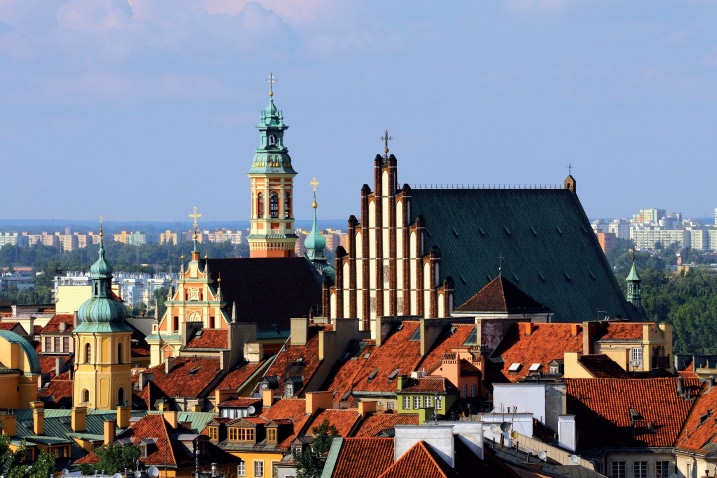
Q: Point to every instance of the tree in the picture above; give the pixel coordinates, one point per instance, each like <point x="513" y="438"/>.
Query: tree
<point x="310" y="463"/>
<point x="114" y="457"/>
<point x="14" y="461"/>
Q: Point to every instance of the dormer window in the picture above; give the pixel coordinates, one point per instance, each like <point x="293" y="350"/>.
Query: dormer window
<point x="214" y="433"/>
<point x="271" y="435"/>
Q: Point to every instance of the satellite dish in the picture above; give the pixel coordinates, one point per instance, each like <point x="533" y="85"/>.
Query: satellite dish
<point x="542" y="455"/>
<point x="251" y="410"/>
<point x="505" y="426"/>
<point x="574" y="459"/>
<point x="153" y="471"/>
<point x="514" y="434"/>
<point x="494" y="428"/>
<point x="117" y="475"/>
<point x="65" y="472"/>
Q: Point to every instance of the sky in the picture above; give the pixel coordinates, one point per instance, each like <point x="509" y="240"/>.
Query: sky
<point x="139" y="110"/>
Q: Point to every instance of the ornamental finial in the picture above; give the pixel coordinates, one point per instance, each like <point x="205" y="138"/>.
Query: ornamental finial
<point x="386" y="138"/>
<point x="102" y="232"/>
<point x="194" y="216"/>
<point x="271" y="79"/>
<point x="314" y="183"/>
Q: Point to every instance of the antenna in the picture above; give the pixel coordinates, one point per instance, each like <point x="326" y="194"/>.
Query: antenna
<point x="505" y="426"/>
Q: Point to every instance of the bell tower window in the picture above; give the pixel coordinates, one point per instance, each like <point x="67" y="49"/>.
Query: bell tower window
<point x="272" y="139"/>
<point x="274" y="205"/>
<point x="287" y="204"/>
<point x="88" y="353"/>
<point x="119" y="353"/>
<point x="260" y="205"/>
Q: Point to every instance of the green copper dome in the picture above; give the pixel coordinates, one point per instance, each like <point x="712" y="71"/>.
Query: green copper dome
<point x="102" y="312"/>
<point x="315" y="242"/>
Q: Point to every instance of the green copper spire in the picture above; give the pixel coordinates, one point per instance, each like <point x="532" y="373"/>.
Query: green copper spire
<point x="634" y="294"/>
<point x="271" y="156"/>
<point x="102" y="312"/>
<point x="315" y="242"/>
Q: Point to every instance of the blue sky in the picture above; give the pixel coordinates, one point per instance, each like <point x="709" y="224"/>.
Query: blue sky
<point x="142" y="109"/>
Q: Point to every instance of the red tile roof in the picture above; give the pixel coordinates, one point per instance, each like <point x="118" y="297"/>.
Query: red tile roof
<point x="621" y="331"/>
<point x="688" y="372"/>
<point x="140" y="347"/>
<point x="419" y="460"/>
<point x="239" y="374"/>
<point x="357" y="372"/>
<point x="445" y="343"/>
<point x="209" y="339"/>
<point x="699" y="433"/>
<point x="429" y="384"/>
<point x="343" y="419"/>
<point x="602" y="409"/>
<point x="53" y="326"/>
<point x="376" y="423"/>
<point x="602" y="366"/>
<point x="60" y="388"/>
<point x="546" y="342"/>
<point x="241" y="402"/>
<point x="189" y="376"/>
<point x="501" y="295"/>
<point x="9" y="325"/>
<point x="364" y="457"/>
<point x="293" y="409"/>
<point x="299" y="360"/>
<point x="48" y="363"/>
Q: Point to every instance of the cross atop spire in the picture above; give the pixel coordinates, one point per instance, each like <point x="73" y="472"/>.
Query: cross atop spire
<point x="386" y="138"/>
<point x="102" y="232"/>
<point x="570" y="169"/>
<point x="271" y="79"/>
<point x="314" y="183"/>
<point x="195" y="216"/>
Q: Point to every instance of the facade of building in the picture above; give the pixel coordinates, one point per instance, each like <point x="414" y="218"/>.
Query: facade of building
<point x="13" y="239"/>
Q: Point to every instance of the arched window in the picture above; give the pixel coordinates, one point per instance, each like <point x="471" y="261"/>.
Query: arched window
<point x="88" y="353"/>
<point x="260" y="205"/>
<point x="287" y="204"/>
<point x="274" y="204"/>
<point x="119" y="353"/>
<point x="85" y="396"/>
<point x="120" y="396"/>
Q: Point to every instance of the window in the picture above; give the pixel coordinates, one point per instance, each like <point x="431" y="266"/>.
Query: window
<point x="260" y="205"/>
<point x="119" y="353"/>
<point x="65" y="344"/>
<point x="211" y="322"/>
<point x="427" y="401"/>
<point x="48" y="344"/>
<point x="120" y="396"/>
<point x="241" y="469"/>
<point x="287" y="204"/>
<point x="473" y="390"/>
<point x="213" y="433"/>
<point x="274" y="204"/>
<point x="272" y="139"/>
<point x="465" y="390"/>
<point x="662" y="469"/>
<point x="618" y="469"/>
<point x="406" y="402"/>
<point x="417" y="402"/>
<point x="88" y="353"/>
<point x="85" y="396"/>
<point x="57" y="344"/>
<point x="258" y="468"/>
<point x="271" y="435"/>
<point x="639" y="469"/>
<point x="389" y="405"/>
<point x="636" y="357"/>
<point x="439" y="402"/>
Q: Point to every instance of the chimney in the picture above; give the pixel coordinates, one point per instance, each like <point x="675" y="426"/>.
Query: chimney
<point x="38" y="418"/>
<point x="145" y="377"/>
<point x="123" y="416"/>
<point x="59" y="365"/>
<point x="172" y="418"/>
<point x="267" y="397"/>
<point x="318" y="400"/>
<point x="590" y="331"/>
<point x="196" y="407"/>
<point x="110" y="431"/>
<point x="366" y="407"/>
<point x="400" y="382"/>
<point x="9" y="424"/>
<point x="574" y="330"/>
<point x="528" y="328"/>
<point x="168" y="364"/>
<point x="438" y="437"/>
<point x="299" y="330"/>
<point x="79" y="419"/>
<point x="680" y="386"/>
<point x="62" y="326"/>
<point x="566" y="432"/>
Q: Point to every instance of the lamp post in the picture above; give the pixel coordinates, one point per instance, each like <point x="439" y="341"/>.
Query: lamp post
<point x="196" y="460"/>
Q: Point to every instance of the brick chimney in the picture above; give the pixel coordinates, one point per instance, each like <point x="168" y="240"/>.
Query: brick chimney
<point x="528" y="328"/>
<point x="110" y="430"/>
<point x="79" y="419"/>
<point x="267" y="397"/>
<point x="366" y="407"/>
<point x="38" y="418"/>
<point x="9" y="424"/>
<point x="318" y="400"/>
<point x="172" y="418"/>
<point x="123" y="416"/>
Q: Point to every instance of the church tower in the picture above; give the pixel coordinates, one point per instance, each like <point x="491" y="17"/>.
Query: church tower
<point x="634" y="294"/>
<point x="103" y="377"/>
<point x="272" y="187"/>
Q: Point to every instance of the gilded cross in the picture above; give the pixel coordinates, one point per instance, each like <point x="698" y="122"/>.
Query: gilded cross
<point x="386" y="138"/>
<point x="194" y="216"/>
<point x="101" y="229"/>
<point x="314" y="183"/>
<point x="271" y="79"/>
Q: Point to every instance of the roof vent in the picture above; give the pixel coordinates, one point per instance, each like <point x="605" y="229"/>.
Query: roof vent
<point x="373" y="374"/>
<point x="542" y="277"/>
<point x="194" y="371"/>
<point x="367" y="355"/>
<point x="482" y="232"/>
<point x="535" y="233"/>
<point x="455" y="233"/>
<point x="566" y="275"/>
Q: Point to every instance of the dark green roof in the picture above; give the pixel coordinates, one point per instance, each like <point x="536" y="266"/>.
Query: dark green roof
<point x="32" y="359"/>
<point x="548" y="247"/>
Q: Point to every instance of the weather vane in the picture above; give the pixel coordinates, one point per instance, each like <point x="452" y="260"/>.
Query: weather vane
<point x="271" y="79"/>
<point x="386" y="138"/>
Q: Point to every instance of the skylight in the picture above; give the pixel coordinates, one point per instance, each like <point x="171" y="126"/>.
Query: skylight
<point x="535" y="367"/>
<point x="514" y="367"/>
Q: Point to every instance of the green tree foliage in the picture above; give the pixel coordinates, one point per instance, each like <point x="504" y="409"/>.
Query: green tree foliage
<point x="310" y="464"/>
<point x="13" y="462"/>
<point x="114" y="457"/>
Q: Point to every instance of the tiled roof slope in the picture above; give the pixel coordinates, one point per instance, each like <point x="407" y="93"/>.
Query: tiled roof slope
<point x="355" y="372"/>
<point x="429" y="384"/>
<point x="452" y="338"/>
<point x="699" y="434"/>
<point x="501" y="295"/>
<point x="268" y="291"/>
<point x="298" y="360"/>
<point x="189" y="376"/>
<point x="620" y="331"/>
<point x="48" y="363"/>
<point x="293" y="409"/>
<point x="602" y="411"/>
<point x="239" y="374"/>
<point x="602" y="366"/>
<point x="420" y="460"/>
<point x="53" y="326"/>
<point x="209" y="339"/>
<point x="374" y="424"/>
<point x="364" y="457"/>
<point x="545" y="343"/>
<point x="343" y="419"/>
<point x="551" y="252"/>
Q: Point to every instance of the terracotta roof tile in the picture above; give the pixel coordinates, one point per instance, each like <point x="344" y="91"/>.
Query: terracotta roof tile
<point x="429" y="384"/>
<point x="446" y="342"/>
<point x="378" y="422"/>
<point x="53" y="326"/>
<point x="699" y="433"/>
<point x="343" y="419"/>
<point x="602" y="366"/>
<point x="8" y="325"/>
<point x="602" y="409"/>
<point x="239" y="374"/>
<point x="621" y="331"/>
<point x="59" y="389"/>
<point x="291" y="408"/>
<point x="545" y="343"/>
<point x="189" y="376"/>
<point x="419" y="460"/>
<point x="501" y="295"/>
<point x="48" y="363"/>
<point x="299" y="360"/>
<point x="364" y="457"/>
<point x="209" y="339"/>
<point x="241" y="402"/>
<point x="688" y="372"/>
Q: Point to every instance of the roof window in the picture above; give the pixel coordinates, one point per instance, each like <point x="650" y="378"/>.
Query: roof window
<point x="514" y="367"/>
<point x="535" y="367"/>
